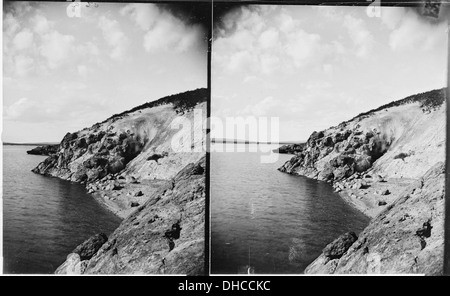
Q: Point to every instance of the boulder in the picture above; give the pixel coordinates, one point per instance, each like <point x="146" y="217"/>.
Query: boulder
<point x="341" y="160"/>
<point x="357" y="185"/>
<point x="72" y="265"/>
<point x="110" y="186"/>
<point x="363" y="163"/>
<point x="328" y="142"/>
<point x="369" y="135"/>
<point x="326" y="174"/>
<point x="342" y="172"/>
<point x="89" y="247"/>
<point x="340" y="245"/>
<point x="131" y="180"/>
<point x="380" y="179"/>
<point x="425" y="231"/>
<point x="314" y="137"/>
<point x="116" y="165"/>
<point x="117" y="186"/>
<point x="385" y="192"/>
<point x="80" y="176"/>
<point x="139" y="193"/>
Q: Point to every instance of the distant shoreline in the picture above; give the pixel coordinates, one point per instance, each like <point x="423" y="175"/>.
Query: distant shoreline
<point x="29" y="144"/>
<point x="215" y="141"/>
<point x="228" y="141"/>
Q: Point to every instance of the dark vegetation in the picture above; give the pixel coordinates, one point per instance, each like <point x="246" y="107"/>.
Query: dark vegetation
<point x="181" y="102"/>
<point x="430" y="100"/>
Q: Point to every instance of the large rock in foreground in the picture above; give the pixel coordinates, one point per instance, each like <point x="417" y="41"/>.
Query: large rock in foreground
<point x="90" y="247"/>
<point x="337" y="248"/>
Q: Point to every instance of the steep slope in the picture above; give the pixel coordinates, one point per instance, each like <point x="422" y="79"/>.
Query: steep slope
<point x="164" y="235"/>
<point x="374" y="161"/>
<point x="137" y="142"/>
<point x="125" y="162"/>
<point x="407" y="237"/>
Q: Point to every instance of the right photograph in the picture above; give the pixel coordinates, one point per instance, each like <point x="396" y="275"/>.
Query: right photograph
<point x="328" y="140"/>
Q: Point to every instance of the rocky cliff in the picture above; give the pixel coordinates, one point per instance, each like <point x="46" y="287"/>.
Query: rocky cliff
<point x="134" y="163"/>
<point x="136" y="143"/>
<point x="388" y="163"/>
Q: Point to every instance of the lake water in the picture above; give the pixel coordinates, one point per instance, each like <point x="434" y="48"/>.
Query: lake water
<point x="44" y="218"/>
<point x="268" y="221"/>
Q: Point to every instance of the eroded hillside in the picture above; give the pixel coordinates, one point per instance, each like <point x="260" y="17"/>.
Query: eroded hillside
<point x="387" y="163"/>
<point x="147" y="165"/>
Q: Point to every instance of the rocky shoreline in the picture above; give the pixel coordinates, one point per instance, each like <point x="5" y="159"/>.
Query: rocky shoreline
<point x="406" y="237"/>
<point x="46" y="150"/>
<point x="163" y="235"/>
<point x="388" y="164"/>
<point x="290" y="148"/>
<point x="130" y="165"/>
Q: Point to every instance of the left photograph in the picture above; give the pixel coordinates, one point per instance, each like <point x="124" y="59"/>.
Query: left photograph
<point x="104" y="137"/>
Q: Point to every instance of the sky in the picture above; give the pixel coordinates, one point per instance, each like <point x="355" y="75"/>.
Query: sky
<point x="62" y="73"/>
<point x="314" y="67"/>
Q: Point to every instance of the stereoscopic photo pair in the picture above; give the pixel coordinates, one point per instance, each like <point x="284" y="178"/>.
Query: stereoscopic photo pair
<point x="223" y="138"/>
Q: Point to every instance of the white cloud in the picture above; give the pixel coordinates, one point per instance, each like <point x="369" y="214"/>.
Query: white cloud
<point x="269" y="63"/>
<point x="269" y="38"/>
<point x="22" y="108"/>
<point x="163" y="31"/>
<point x="303" y="47"/>
<point x="56" y="48"/>
<point x="258" y="40"/>
<point x="88" y="49"/>
<point x="143" y="15"/>
<point x="39" y="46"/>
<point x="412" y="33"/>
<point x="262" y="107"/>
<point x="52" y="109"/>
<point x="328" y="69"/>
<point x="391" y="16"/>
<point x="23" y="64"/>
<point x="240" y="40"/>
<point x="82" y="70"/>
<point x="10" y="24"/>
<point x="41" y="24"/>
<point x="242" y="60"/>
<point x="170" y="34"/>
<point x="114" y="37"/>
<point x="359" y="34"/>
<point x="253" y="18"/>
<point x="287" y="23"/>
<point x="23" y="40"/>
<point x="251" y="78"/>
<point x="308" y="57"/>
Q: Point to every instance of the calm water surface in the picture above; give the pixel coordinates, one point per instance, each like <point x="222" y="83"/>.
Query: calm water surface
<point x="270" y="221"/>
<point x="44" y="218"/>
